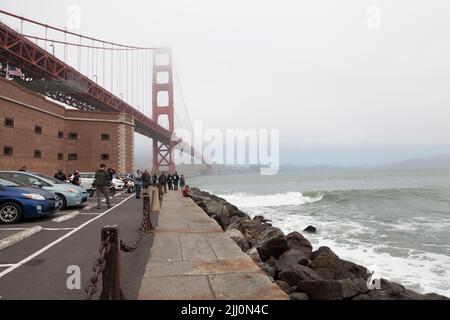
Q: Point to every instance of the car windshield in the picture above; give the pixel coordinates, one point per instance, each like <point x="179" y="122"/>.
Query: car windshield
<point x="48" y="179"/>
<point x="9" y="183"/>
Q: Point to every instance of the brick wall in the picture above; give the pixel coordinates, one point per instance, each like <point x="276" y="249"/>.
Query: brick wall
<point x="29" y="110"/>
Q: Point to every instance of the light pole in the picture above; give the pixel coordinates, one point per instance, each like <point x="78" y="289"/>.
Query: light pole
<point x="53" y="49"/>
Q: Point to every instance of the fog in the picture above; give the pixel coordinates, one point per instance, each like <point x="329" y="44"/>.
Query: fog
<point x="349" y="82"/>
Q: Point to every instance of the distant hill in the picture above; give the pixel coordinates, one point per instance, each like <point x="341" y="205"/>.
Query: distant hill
<point x="433" y="162"/>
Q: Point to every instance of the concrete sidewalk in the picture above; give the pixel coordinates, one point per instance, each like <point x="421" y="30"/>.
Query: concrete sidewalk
<point x="193" y="259"/>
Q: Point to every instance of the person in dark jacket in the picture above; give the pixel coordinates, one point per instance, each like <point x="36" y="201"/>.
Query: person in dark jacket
<point x="60" y="175"/>
<point x="155" y="180"/>
<point x="163" y="181"/>
<point x="182" y="182"/>
<point x="176" y="179"/>
<point x="76" y="178"/>
<point x="137" y="179"/>
<point x="170" y="181"/>
<point x="101" y="181"/>
<point x="146" y="180"/>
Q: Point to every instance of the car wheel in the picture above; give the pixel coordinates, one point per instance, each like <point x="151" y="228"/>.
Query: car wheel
<point x="61" y="200"/>
<point x="10" y="213"/>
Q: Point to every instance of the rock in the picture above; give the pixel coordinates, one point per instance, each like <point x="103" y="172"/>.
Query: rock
<point x="271" y="242"/>
<point x="362" y="297"/>
<point x="284" y="286"/>
<point x="261" y="219"/>
<point x="435" y="296"/>
<point x="268" y="270"/>
<point x="253" y="253"/>
<point x="290" y="258"/>
<point x="322" y="289"/>
<point x="297" y="274"/>
<point x="252" y="230"/>
<point x="329" y="266"/>
<point x="222" y="219"/>
<point x="310" y="229"/>
<point x="352" y="288"/>
<point x="305" y="262"/>
<point x="298" y="296"/>
<point x="394" y="291"/>
<point x="297" y="241"/>
<point x="238" y="238"/>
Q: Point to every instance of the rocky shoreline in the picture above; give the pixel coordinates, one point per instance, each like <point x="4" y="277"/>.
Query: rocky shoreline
<point x="289" y="260"/>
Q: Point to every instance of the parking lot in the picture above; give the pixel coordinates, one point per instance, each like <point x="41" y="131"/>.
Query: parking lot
<point x="35" y="267"/>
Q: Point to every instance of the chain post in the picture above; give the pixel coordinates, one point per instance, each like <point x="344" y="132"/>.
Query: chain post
<point x="111" y="277"/>
<point x="148" y="227"/>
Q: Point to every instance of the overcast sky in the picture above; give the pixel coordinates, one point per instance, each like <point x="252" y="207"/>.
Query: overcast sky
<point x="343" y="84"/>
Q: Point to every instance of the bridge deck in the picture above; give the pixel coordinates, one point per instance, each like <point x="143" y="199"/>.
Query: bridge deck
<point x="192" y="258"/>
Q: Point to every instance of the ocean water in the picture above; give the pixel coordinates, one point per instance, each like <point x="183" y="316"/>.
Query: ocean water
<point x="396" y="223"/>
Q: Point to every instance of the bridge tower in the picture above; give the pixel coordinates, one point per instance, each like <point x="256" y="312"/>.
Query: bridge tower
<point x="162" y="107"/>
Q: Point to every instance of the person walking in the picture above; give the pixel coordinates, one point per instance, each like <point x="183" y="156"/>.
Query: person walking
<point x="101" y="182"/>
<point x="137" y="179"/>
<point x="163" y="181"/>
<point x="146" y="180"/>
<point x="176" y="179"/>
<point x="154" y="180"/>
<point x="170" y="181"/>
<point x="182" y="182"/>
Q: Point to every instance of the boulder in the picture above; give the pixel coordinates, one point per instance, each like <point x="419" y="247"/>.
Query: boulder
<point x="329" y="266"/>
<point x="238" y="238"/>
<point x="310" y="229"/>
<point x="252" y="230"/>
<point x="362" y="297"/>
<point x="290" y="258"/>
<point x="305" y="262"/>
<point x="268" y="270"/>
<point x="297" y="241"/>
<point x="222" y="219"/>
<point x="322" y="289"/>
<point x="271" y="243"/>
<point x="297" y="274"/>
<point x="253" y="253"/>
<point x="394" y="291"/>
<point x="298" y="296"/>
<point x="353" y="287"/>
<point x="284" y="286"/>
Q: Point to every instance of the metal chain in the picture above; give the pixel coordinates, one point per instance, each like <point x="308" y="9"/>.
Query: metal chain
<point x="127" y="248"/>
<point x="98" y="267"/>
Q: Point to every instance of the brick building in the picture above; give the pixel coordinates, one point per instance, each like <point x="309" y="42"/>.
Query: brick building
<point x="44" y="136"/>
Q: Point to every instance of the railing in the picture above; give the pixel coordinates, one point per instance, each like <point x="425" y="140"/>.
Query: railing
<point x="108" y="263"/>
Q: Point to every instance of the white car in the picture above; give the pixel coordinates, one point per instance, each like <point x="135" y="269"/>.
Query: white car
<point x="87" y="179"/>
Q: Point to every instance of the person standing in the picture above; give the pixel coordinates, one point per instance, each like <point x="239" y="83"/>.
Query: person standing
<point x="101" y="182"/>
<point x="176" y="179"/>
<point x="76" y="178"/>
<point x="60" y="175"/>
<point x="154" y="180"/>
<point x="146" y="180"/>
<point x="137" y="179"/>
<point x="182" y="182"/>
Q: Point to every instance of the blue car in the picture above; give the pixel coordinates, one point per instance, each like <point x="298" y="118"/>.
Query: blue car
<point x="18" y="202"/>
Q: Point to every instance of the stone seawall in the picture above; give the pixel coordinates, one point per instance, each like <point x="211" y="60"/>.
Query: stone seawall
<point x="290" y="261"/>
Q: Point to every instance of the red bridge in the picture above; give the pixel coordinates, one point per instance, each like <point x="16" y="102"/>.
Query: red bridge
<point x="97" y="75"/>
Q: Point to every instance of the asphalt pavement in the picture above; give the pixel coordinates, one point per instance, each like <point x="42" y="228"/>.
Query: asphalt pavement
<point x="37" y="267"/>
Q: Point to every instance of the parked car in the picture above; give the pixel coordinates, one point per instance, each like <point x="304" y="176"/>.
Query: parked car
<point x="18" y="202"/>
<point x="68" y="194"/>
<point x="87" y="179"/>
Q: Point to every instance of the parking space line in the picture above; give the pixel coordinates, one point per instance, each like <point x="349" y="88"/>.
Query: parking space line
<point x="7" y="265"/>
<point x="66" y="217"/>
<point x="13" y="229"/>
<point x="57" y="229"/>
<point x="37" y="253"/>
<point x="19" y="236"/>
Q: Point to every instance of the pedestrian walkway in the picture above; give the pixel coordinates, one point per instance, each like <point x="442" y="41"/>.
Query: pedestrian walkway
<point x="192" y="258"/>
